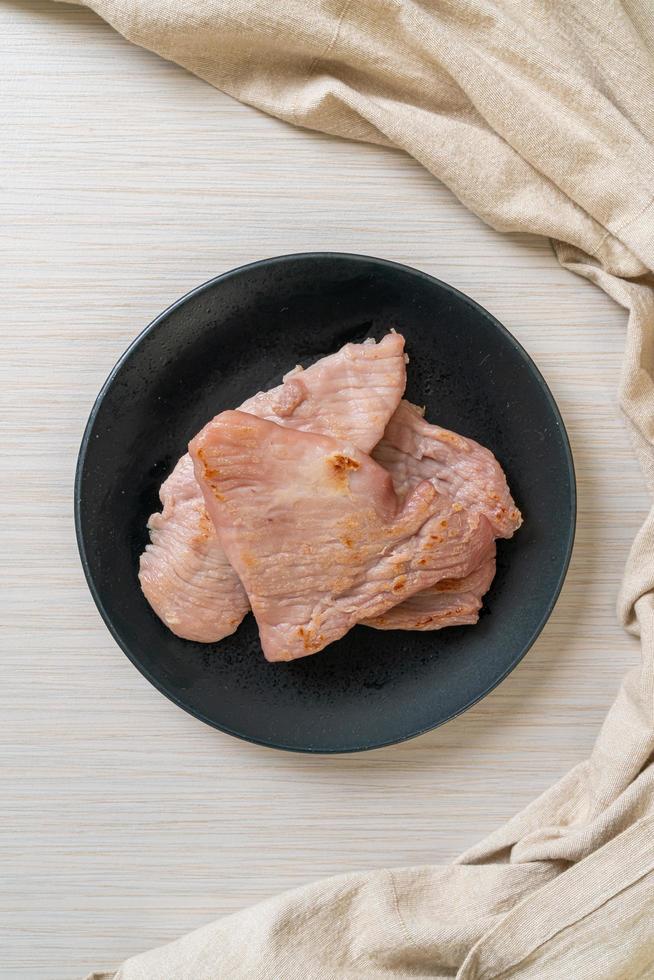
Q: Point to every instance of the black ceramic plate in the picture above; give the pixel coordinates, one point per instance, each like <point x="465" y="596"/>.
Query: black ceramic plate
<point x="238" y="334"/>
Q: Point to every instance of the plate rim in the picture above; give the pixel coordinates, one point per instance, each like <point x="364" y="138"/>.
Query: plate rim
<point x="162" y="317"/>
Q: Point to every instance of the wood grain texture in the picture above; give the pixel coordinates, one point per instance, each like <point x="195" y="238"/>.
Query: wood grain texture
<point x="125" y="182"/>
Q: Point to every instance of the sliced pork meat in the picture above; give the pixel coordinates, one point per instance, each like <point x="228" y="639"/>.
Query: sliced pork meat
<point x="348" y="395"/>
<point x="183" y="572"/>
<point x="450" y="602"/>
<point x="413" y="450"/>
<point x="316" y="533"/>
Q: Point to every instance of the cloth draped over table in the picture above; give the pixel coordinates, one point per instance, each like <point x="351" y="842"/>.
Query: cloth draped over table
<point x="540" y="118"/>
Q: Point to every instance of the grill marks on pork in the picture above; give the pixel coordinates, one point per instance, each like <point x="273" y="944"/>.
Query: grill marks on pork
<point x="317" y="534"/>
<point x="184" y="573"/>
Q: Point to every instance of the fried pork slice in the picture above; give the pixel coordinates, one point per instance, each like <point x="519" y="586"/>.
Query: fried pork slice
<point x="413" y="450"/>
<point x="317" y="534"/>
<point x="450" y="602"/>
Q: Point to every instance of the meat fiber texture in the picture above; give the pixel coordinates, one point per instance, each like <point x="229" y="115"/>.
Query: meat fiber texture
<point x="449" y="602"/>
<point x="318" y="536"/>
<point x="294" y="518"/>
<point x="184" y="573"/>
<point x="413" y="450"/>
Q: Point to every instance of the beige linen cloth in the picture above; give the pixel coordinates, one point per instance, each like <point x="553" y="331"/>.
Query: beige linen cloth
<point x="539" y="115"/>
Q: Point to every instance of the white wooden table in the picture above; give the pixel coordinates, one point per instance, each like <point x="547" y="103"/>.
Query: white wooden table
<point x="125" y="182"/>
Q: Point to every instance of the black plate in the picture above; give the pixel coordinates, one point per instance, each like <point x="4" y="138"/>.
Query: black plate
<point x="239" y="333"/>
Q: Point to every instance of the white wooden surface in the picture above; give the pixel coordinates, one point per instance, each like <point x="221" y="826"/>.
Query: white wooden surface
<point x="125" y="182"/>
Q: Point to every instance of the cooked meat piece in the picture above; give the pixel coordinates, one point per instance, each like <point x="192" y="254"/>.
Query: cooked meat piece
<point x="413" y="450"/>
<point x="450" y="602"/>
<point x="183" y="572"/>
<point x="348" y="395"/>
<point x="315" y="531"/>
